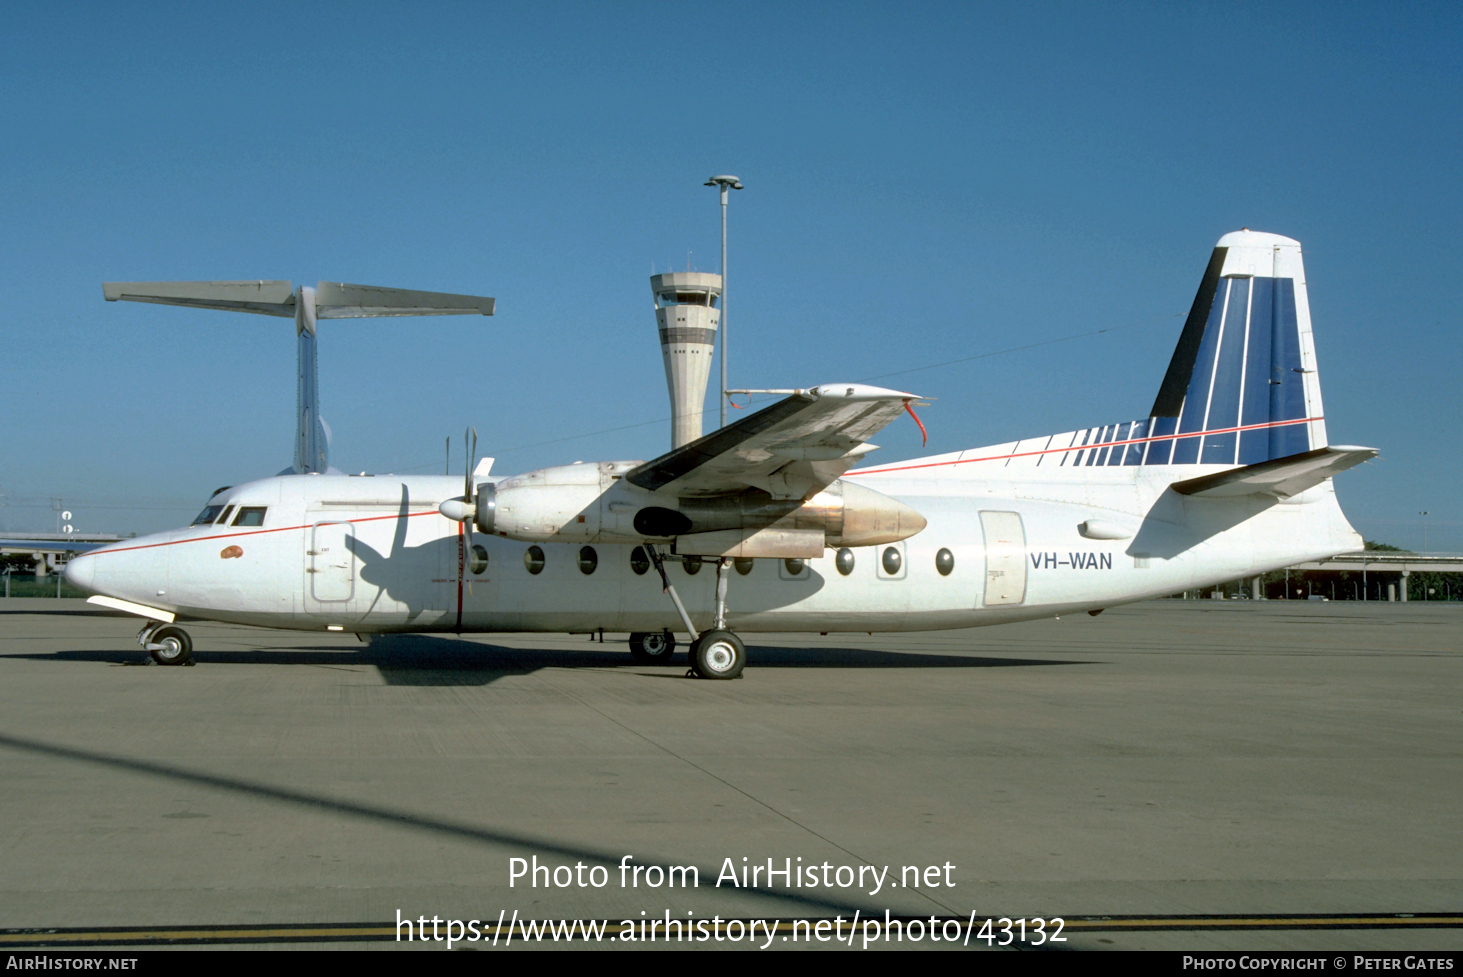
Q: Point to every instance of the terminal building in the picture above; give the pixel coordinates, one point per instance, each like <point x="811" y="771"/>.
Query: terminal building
<point x="1365" y="575"/>
<point x="1388" y="575"/>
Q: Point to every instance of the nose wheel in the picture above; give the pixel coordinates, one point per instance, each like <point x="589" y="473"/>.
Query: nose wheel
<point x="167" y="645"/>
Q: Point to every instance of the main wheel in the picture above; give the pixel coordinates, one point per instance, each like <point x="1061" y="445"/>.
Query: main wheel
<point x="652" y="647"/>
<point x="174" y="646"/>
<point x="718" y="654"/>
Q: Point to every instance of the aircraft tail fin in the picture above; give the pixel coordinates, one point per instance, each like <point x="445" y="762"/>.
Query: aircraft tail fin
<point x="328" y="300"/>
<point x="1242" y="386"/>
<point x="1241" y="390"/>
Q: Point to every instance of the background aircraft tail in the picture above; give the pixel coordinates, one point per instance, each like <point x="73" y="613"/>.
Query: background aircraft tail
<point x="328" y="300"/>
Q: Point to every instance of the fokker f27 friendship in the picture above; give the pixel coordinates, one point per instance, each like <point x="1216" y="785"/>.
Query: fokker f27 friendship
<point x="766" y="524"/>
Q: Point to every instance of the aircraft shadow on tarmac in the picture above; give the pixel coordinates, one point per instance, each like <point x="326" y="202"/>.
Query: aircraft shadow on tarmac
<point x="443" y="660"/>
<point x="313" y="805"/>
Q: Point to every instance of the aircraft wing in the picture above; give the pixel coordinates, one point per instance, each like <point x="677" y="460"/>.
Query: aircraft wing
<point x="792" y="449"/>
<point x="1282" y="477"/>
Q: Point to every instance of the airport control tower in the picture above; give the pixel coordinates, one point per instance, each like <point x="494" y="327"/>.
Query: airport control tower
<point x="688" y="311"/>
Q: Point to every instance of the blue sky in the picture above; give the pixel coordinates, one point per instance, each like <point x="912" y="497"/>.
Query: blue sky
<point x="924" y="183"/>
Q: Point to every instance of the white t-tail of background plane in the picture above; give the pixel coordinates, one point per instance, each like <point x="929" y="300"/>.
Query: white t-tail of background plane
<point x="768" y="529"/>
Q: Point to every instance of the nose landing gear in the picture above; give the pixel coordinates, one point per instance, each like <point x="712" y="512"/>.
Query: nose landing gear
<point x="168" y="645"/>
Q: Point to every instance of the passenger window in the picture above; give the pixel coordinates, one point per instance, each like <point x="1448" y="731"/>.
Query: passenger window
<point x="794" y="567"/>
<point x="478" y="559"/>
<point x="743" y="565"/>
<point x="844" y="561"/>
<point x="639" y="560"/>
<point x="588" y="560"/>
<point x="944" y="562"/>
<point x="207" y="516"/>
<point x="533" y="559"/>
<point x="692" y="565"/>
<point x="250" y="515"/>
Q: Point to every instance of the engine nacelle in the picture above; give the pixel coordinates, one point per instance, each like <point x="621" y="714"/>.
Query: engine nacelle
<point x="594" y="504"/>
<point x="559" y="504"/>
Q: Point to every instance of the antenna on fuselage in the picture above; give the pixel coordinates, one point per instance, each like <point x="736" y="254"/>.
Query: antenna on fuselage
<point x="328" y="300"/>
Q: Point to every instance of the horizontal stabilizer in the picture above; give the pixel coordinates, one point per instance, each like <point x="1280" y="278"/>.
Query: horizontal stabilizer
<point x="1281" y="478"/>
<point x="336" y="300"/>
<point x="262" y="297"/>
<point x="333" y="300"/>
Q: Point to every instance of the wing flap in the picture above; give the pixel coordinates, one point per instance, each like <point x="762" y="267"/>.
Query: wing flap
<point x="1282" y="477"/>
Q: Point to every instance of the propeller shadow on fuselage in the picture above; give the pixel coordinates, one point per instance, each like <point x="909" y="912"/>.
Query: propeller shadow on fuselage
<point x="398" y="574"/>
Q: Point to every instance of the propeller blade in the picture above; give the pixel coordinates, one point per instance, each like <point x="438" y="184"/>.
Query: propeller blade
<point x="469" y="497"/>
<point x="467" y="493"/>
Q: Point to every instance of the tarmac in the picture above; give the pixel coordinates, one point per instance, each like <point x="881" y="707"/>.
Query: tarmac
<point x="1198" y="775"/>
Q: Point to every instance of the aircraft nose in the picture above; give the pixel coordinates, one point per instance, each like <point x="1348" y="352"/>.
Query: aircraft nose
<point x="81" y="571"/>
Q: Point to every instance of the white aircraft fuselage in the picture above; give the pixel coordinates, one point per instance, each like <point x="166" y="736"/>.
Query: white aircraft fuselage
<point x="1229" y="476"/>
<point x="401" y="572"/>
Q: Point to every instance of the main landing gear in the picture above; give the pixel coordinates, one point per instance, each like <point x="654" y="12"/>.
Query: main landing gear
<point x="717" y="653"/>
<point x="653" y="647"/>
<point x="168" y="645"/>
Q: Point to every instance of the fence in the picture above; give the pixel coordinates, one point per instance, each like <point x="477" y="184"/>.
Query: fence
<point x="29" y="585"/>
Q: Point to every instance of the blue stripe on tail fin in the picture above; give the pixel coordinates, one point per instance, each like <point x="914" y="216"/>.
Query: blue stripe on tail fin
<point x="1239" y="389"/>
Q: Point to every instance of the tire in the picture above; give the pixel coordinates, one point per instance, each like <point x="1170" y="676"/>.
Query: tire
<point x="177" y="647"/>
<point x="652" y="647"/>
<point x="718" y="655"/>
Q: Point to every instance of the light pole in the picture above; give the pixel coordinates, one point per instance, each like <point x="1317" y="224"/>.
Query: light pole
<point x="725" y="183"/>
<point x="1424" y="532"/>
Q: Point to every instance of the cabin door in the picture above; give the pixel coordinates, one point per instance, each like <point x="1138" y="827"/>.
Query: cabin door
<point x="331" y="562"/>
<point x="1005" y="558"/>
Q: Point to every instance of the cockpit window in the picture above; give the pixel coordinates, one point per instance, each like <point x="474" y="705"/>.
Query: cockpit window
<point x="250" y="515"/>
<point x="223" y="520"/>
<point x="207" y="516"/>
